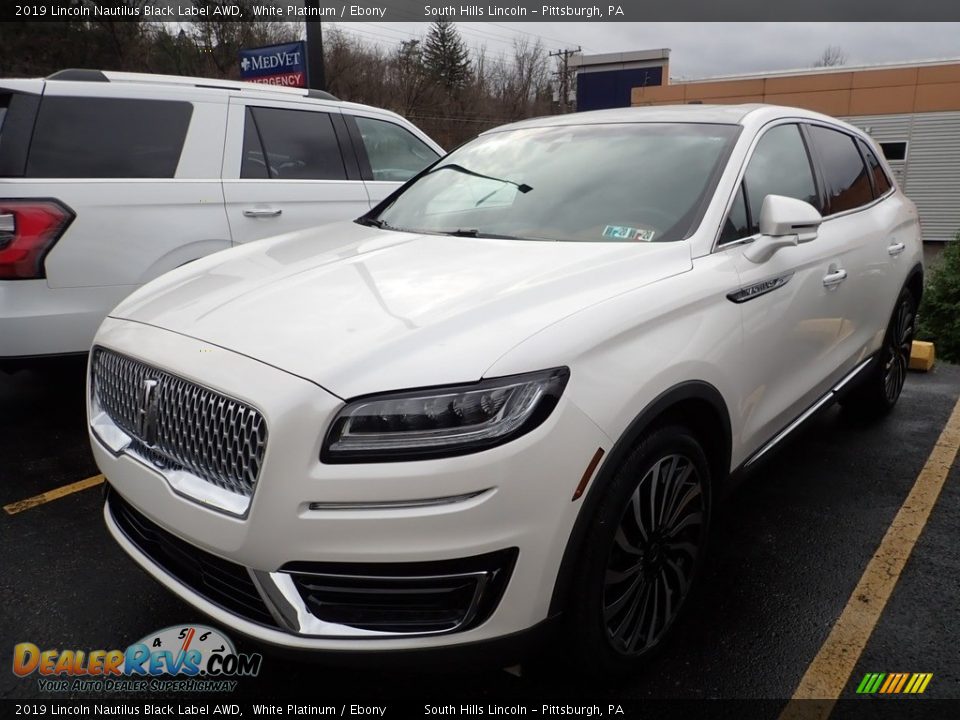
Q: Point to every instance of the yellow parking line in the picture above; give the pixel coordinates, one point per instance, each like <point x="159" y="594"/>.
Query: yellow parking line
<point x="829" y="673"/>
<point x="14" y="508"/>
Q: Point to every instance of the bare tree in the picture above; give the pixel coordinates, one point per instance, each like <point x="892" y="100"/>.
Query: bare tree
<point x="832" y="56"/>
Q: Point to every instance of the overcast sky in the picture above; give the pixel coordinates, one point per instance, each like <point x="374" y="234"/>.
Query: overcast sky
<point x="707" y="49"/>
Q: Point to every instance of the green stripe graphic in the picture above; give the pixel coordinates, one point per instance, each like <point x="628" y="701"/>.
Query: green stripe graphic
<point x="876" y="685"/>
<point x="863" y="683"/>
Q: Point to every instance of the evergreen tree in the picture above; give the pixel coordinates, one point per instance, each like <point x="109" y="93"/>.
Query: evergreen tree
<point x="939" y="314"/>
<point x="445" y="56"/>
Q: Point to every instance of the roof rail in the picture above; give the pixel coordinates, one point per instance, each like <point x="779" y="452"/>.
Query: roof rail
<point x="321" y="95"/>
<point x="79" y="74"/>
<point x="212" y="83"/>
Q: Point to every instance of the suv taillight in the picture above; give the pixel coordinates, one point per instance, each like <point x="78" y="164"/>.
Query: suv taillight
<point x="28" y="229"/>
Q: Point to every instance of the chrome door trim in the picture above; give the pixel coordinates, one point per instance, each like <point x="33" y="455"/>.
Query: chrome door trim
<point x="828" y="397"/>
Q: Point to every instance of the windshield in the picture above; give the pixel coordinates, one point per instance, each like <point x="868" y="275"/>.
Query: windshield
<point x="636" y="182"/>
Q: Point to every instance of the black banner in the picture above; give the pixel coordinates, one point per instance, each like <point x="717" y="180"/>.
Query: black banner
<point x="497" y="10"/>
<point x="356" y="708"/>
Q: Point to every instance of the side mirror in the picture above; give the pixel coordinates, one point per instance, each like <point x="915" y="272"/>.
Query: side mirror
<point x="784" y="222"/>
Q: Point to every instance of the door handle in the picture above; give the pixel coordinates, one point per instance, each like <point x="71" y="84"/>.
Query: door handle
<point x="896" y="249"/>
<point x="834" y="277"/>
<point x="261" y="213"/>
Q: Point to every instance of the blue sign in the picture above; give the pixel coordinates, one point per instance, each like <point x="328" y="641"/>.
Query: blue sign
<point x="276" y="64"/>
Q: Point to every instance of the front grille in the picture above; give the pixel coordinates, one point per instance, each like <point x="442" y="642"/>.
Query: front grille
<point x="220" y="581"/>
<point x="179" y="425"/>
<point x="405" y="598"/>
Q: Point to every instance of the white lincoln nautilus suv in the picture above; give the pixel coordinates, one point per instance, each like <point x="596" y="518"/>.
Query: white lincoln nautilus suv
<point x="510" y="393"/>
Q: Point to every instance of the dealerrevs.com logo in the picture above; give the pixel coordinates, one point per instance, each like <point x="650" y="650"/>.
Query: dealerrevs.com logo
<point x="185" y="658"/>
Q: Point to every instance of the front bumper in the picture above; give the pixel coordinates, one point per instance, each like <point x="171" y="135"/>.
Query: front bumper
<point x="513" y="499"/>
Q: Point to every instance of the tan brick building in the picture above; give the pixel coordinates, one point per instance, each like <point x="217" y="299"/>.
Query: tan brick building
<point x="912" y="110"/>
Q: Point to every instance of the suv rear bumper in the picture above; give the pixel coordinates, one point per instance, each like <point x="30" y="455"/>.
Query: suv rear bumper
<point x="38" y="320"/>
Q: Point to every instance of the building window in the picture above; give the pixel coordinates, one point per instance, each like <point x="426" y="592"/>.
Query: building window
<point x="894" y="150"/>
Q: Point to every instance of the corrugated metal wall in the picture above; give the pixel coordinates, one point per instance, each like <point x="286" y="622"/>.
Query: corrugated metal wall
<point x="930" y="175"/>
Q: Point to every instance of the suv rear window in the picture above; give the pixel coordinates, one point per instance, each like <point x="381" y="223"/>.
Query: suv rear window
<point x="881" y="183"/>
<point x="80" y="137"/>
<point x="297" y="145"/>
<point x="848" y="185"/>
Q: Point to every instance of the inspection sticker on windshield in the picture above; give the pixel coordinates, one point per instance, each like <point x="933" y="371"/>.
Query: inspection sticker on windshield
<point x="622" y="232"/>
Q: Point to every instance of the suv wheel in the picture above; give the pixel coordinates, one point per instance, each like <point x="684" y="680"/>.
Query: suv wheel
<point x="881" y="388"/>
<point x="643" y="553"/>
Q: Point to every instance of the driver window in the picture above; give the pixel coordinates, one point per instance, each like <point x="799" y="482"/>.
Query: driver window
<point x="737" y="225"/>
<point x="395" y="154"/>
<point x="779" y="166"/>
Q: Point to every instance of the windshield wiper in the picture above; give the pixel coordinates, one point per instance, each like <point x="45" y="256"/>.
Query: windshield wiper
<point x="475" y="233"/>
<point x="377" y="223"/>
<point x="522" y="187"/>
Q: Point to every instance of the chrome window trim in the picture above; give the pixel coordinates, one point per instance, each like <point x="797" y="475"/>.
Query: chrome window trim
<point x="719" y="247"/>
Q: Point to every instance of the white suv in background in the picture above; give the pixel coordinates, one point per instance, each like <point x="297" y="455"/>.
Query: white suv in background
<point x="514" y="389"/>
<point x="108" y="180"/>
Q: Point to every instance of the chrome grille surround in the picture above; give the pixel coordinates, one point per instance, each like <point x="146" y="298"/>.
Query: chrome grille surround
<point x="188" y="432"/>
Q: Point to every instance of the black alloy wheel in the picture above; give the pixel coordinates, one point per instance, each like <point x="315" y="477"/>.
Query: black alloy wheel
<point x="897" y="347"/>
<point x="878" y="391"/>
<point x="641" y="555"/>
<point x="651" y="564"/>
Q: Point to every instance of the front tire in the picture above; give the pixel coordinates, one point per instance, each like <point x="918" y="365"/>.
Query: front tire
<point x="881" y="389"/>
<point x="642" y="554"/>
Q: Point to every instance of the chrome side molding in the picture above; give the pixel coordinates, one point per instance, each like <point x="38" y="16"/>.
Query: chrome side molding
<point x="825" y="399"/>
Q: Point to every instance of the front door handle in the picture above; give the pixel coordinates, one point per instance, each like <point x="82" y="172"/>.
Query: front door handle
<point x="261" y="213"/>
<point x="896" y="249"/>
<point x="834" y="277"/>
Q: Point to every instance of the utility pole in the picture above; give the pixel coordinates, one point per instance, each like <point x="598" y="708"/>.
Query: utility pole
<point x="563" y="74"/>
<point x="316" y="79"/>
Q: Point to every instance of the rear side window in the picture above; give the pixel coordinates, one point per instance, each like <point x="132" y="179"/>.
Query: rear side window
<point x="847" y="183"/>
<point x="779" y="166"/>
<point x="290" y="145"/>
<point x="395" y="154"/>
<point x="108" y="138"/>
<point x="881" y="183"/>
<point x="253" y="164"/>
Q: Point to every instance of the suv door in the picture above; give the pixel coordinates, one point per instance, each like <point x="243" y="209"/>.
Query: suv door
<point x="288" y="166"/>
<point x="862" y="232"/>
<point x="792" y="322"/>
<point x="389" y="153"/>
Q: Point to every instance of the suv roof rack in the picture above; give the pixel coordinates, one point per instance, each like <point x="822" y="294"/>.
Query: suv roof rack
<point x="213" y="83"/>
<point x="79" y="74"/>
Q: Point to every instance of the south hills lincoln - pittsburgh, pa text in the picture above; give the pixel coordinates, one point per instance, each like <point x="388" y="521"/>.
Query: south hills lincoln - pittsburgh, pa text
<point x="587" y="12"/>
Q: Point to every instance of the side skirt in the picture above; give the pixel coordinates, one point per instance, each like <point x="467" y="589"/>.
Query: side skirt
<point x="824" y="401"/>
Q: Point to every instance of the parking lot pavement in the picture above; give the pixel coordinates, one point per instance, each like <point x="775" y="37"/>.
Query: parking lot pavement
<point x="789" y="548"/>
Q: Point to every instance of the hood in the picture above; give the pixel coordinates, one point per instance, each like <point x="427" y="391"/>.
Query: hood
<point x="358" y="310"/>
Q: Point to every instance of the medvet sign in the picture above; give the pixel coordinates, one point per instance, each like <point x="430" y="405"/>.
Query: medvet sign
<point x="276" y="64"/>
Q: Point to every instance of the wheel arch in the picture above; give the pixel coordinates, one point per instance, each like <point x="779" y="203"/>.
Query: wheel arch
<point x="695" y="404"/>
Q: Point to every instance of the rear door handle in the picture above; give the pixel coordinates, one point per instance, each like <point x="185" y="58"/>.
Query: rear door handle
<point x="834" y="277"/>
<point x="896" y="249"/>
<point x="261" y="213"/>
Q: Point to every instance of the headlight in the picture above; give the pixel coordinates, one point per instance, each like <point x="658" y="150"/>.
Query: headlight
<point x="442" y="421"/>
